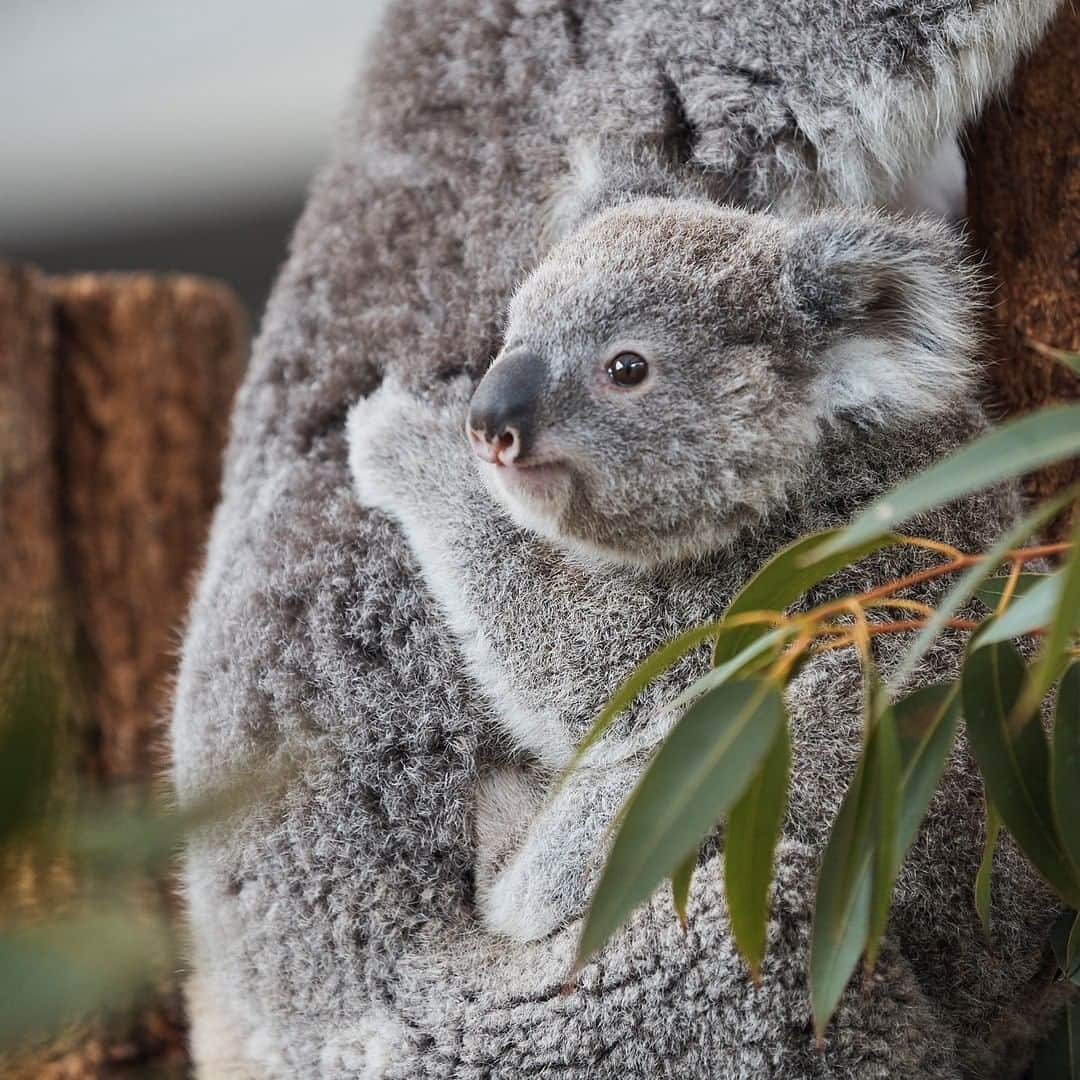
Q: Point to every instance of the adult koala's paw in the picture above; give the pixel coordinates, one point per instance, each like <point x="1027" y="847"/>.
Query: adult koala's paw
<point x="401" y="445"/>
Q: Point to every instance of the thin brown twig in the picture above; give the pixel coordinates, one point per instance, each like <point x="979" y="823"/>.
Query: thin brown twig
<point x="1010" y="587"/>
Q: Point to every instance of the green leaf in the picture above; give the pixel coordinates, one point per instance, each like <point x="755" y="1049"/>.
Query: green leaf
<point x="1060" y="630"/>
<point x="753" y="829"/>
<point x="1072" y="952"/>
<point x="1006" y="451"/>
<point x="756" y="655"/>
<point x="1071" y="360"/>
<point x="1032" y="611"/>
<point x="1015" y="764"/>
<point x="1058" y="1058"/>
<point x="1065" y="764"/>
<point x="885" y="766"/>
<point x="925" y="724"/>
<point x="1065" y="941"/>
<point x="992" y="589"/>
<point x="962" y="590"/>
<point x="842" y="903"/>
<point x="30" y="717"/>
<point x="781" y="581"/>
<point x="986" y="866"/>
<point x="701" y="769"/>
<point x="680" y="886"/>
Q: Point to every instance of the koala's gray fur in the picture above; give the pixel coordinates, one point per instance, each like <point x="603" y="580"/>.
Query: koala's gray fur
<point x="335" y="934"/>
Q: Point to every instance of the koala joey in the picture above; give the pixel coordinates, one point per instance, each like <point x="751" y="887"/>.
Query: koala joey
<point x="683" y="386"/>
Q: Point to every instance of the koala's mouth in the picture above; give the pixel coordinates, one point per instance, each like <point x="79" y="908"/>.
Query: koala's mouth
<point x="538" y="478"/>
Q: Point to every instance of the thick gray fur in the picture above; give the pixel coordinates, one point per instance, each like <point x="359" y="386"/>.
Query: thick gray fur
<point x="336" y="933"/>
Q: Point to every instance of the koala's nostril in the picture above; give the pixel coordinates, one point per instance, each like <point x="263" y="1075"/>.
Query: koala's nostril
<point x="507" y="446"/>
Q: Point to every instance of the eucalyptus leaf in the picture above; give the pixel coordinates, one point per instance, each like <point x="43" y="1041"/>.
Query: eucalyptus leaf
<point x="885" y="767"/>
<point x="1065" y="941"/>
<point x="984" y="877"/>
<point x="970" y="580"/>
<point x="1015" y="764"/>
<point x="755" y="655"/>
<point x="842" y="902"/>
<point x="654" y="665"/>
<point x="680" y="886"/>
<point x="992" y="589"/>
<point x="1061" y="628"/>
<point x="1034" y="610"/>
<point x="1066" y="357"/>
<point x="700" y="770"/>
<point x="1065" y="764"/>
<point x="781" y="581"/>
<point x="1058" y="1058"/>
<point x="1006" y="451"/>
<point x="30" y="718"/>
<point x="750" y="838"/>
<point x="54" y="974"/>
<point x="925" y="724"/>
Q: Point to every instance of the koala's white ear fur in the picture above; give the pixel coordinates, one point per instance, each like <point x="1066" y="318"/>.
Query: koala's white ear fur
<point x="896" y="300"/>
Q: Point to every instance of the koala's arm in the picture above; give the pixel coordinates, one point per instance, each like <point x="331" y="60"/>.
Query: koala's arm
<point x="517" y="619"/>
<point x="539" y="854"/>
<point x="529" y="620"/>
<point x="814" y="103"/>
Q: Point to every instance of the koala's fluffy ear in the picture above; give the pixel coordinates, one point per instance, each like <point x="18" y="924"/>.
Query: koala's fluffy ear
<point x="893" y="301"/>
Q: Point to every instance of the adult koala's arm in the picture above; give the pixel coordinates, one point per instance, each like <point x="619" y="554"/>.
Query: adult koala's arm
<point x="810" y="103"/>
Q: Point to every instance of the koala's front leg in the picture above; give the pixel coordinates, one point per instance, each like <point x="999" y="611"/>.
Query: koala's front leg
<point x="539" y="855"/>
<point x="511" y="611"/>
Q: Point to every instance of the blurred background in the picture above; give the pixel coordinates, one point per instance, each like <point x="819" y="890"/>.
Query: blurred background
<point x="154" y="136"/>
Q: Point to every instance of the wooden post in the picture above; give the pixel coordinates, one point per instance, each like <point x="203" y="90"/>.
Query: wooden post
<point x="147" y="370"/>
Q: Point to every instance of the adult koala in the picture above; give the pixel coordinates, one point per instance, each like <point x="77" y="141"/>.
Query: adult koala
<point x="335" y="933"/>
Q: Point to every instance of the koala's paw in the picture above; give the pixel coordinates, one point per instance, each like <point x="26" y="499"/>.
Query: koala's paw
<point x="400" y="443"/>
<point x="524" y="891"/>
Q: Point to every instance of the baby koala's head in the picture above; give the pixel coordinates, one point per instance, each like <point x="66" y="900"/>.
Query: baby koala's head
<point x="669" y="369"/>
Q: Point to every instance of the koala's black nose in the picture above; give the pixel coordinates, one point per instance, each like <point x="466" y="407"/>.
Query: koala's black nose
<point x="503" y="411"/>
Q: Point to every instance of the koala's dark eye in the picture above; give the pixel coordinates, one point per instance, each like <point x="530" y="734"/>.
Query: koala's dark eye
<point x="628" y="369"/>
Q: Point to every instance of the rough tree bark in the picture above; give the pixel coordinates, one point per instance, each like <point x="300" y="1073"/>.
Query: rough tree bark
<point x="114" y="402"/>
<point x="1024" y="209"/>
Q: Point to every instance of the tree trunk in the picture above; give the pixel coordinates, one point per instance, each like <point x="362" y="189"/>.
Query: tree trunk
<point x="114" y="404"/>
<point x="147" y="371"/>
<point x="1024" y="209"/>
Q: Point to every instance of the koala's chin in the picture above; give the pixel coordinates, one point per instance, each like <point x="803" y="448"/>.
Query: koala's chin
<point x="554" y="502"/>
